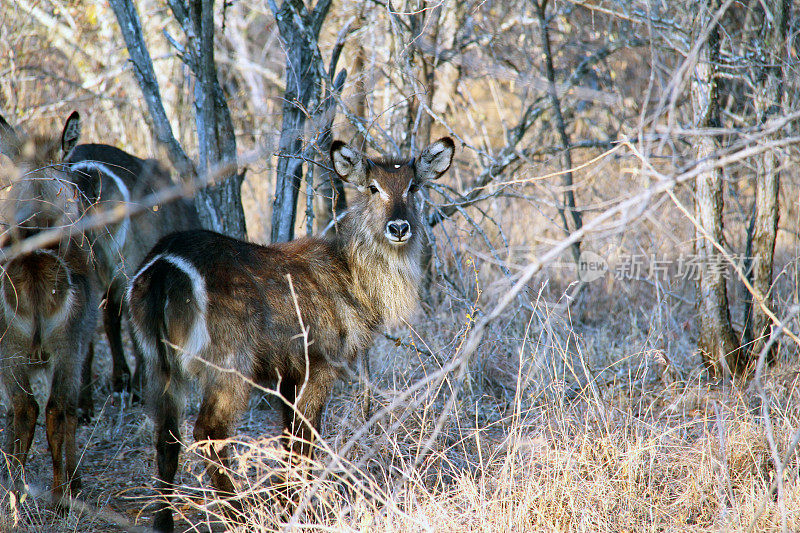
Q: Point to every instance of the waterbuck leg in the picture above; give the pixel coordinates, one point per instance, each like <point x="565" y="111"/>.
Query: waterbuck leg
<point x="138" y="384"/>
<point x="85" y="401"/>
<point x="70" y="455"/>
<point x="222" y="404"/>
<point x="19" y="430"/>
<point x="56" y="425"/>
<point x="168" y="446"/>
<point x="112" y="321"/>
<point x="137" y="381"/>
<point x="61" y="420"/>
<point x="300" y="435"/>
<point x="63" y="391"/>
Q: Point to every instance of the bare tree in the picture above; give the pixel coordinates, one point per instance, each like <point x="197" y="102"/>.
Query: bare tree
<point x="522" y="139"/>
<point x="424" y="68"/>
<point x="718" y="343"/>
<point x="299" y="28"/>
<point x="570" y="217"/>
<point x="220" y="204"/>
<point x="329" y="191"/>
<point x="770" y="95"/>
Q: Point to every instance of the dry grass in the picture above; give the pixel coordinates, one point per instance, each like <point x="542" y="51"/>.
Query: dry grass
<point x="531" y="446"/>
<point x="695" y="460"/>
<point x="649" y="450"/>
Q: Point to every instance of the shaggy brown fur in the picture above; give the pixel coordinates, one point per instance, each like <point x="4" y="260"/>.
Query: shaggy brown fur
<point x="204" y="304"/>
<point x="107" y="178"/>
<point x="48" y="308"/>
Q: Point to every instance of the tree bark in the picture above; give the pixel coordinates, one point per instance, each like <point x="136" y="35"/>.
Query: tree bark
<point x="359" y="75"/>
<point x="330" y="195"/>
<point x="427" y="70"/>
<point x="299" y="31"/>
<point x="769" y="100"/>
<point x="718" y="344"/>
<point x="219" y="205"/>
<point x="131" y="27"/>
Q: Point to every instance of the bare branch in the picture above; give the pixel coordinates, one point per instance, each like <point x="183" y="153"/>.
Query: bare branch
<point x="574" y="222"/>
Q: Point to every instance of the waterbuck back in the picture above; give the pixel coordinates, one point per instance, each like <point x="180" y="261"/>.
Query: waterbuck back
<point x="211" y="308"/>
<point x="48" y="310"/>
<point x="109" y="178"/>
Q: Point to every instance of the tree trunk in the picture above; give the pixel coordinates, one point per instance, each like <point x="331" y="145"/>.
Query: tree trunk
<point x="427" y="69"/>
<point x="131" y="28"/>
<point x="299" y="31"/>
<point x="768" y="101"/>
<point x="419" y="115"/>
<point x="570" y="217"/>
<point x="718" y="343"/>
<point x="330" y="198"/>
<point x="360" y="89"/>
<point x="219" y="205"/>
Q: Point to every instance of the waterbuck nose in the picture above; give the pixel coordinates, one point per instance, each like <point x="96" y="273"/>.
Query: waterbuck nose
<point x="398" y="229"/>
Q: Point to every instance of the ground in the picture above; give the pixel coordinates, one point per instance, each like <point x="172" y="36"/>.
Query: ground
<point x="627" y="440"/>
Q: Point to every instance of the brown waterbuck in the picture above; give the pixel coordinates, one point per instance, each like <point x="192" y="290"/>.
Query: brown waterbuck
<point x="109" y="178"/>
<point x="213" y="308"/>
<point x="48" y="311"/>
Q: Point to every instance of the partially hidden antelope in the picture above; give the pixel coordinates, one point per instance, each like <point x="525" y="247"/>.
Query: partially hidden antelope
<point x="217" y="309"/>
<point x="109" y="178"/>
<point x="48" y="307"/>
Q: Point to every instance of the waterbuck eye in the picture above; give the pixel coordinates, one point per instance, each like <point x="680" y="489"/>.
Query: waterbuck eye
<point x="373" y="189"/>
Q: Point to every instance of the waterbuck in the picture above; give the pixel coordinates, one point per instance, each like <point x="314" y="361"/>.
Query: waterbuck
<point x="48" y="311"/>
<point x="108" y="178"/>
<point x="213" y="308"/>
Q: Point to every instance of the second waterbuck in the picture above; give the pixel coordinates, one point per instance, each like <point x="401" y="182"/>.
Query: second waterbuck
<point x="225" y="312"/>
<point x="48" y="306"/>
<point x="109" y="178"/>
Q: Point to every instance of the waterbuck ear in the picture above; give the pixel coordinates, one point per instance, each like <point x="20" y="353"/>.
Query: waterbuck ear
<point x="348" y="163"/>
<point x="71" y="133"/>
<point x="435" y="159"/>
<point x="9" y="140"/>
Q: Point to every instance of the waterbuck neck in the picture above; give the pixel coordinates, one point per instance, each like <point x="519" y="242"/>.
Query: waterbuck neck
<point x="385" y="278"/>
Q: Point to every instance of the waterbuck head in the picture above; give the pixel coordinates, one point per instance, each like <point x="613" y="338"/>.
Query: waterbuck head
<point x="38" y="192"/>
<point x="386" y="207"/>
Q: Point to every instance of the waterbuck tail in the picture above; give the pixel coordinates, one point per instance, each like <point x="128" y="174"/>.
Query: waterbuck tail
<point x="168" y="306"/>
<point x="36" y="340"/>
